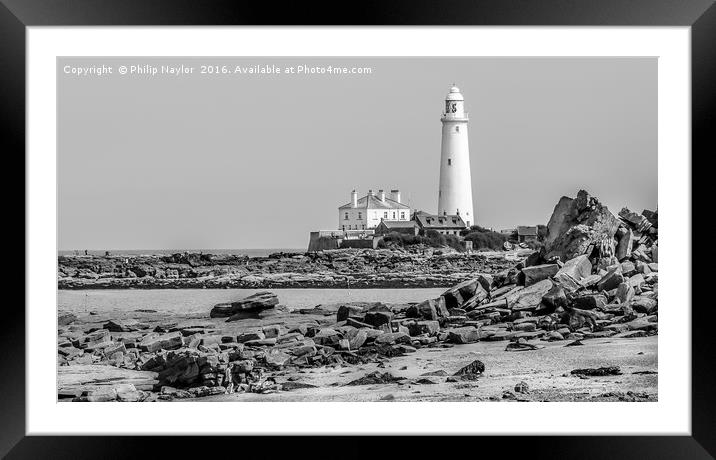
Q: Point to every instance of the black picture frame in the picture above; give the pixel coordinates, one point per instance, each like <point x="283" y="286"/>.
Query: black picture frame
<point x="700" y="15"/>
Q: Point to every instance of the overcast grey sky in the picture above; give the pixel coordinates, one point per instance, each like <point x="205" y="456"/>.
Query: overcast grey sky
<point x="258" y="161"/>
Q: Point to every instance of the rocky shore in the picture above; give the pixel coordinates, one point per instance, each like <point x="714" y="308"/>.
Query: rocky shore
<point x="341" y="268"/>
<point x="585" y="308"/>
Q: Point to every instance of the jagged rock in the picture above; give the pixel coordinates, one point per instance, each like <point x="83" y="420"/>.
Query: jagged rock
<point x="625" y="292"/>
<point x="248" y="336"/>
<point x="611" y="279"/>
<point x="572" y="272"/>
<point x="253" y="303"/>
<point x="530" y="297"/>
<point x="461" y="335"/>
<point x="598" y="372"/>
<point x="638" y="221"/>
<point x="170" y="341"/>
<point x="378" y="315"/>
<point x="123" y="325"/>
<point x="644" y="305"/>
<point x="349" y="311"/>
<point x="425" y="309"/>
<point x="625" y="238"/>
<point x="580" y="226"/>
<point x="375" y="378"/>
<point x="538" y="273"/>
<point x="589" y="301"/>
<point x="475" y="368"/>
<point x="356" y="338"/>
<point x="390" y="338"/>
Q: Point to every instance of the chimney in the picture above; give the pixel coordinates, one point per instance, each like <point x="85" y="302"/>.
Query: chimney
<point x="381" y="195"/>
<point x="370" y="192"/>
<point x="354" y="198"/>
<point x="395" y="194"/>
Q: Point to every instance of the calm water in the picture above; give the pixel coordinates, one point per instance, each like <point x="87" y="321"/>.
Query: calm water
<point x="134" y="252"/>
<point x="201" y="300"/>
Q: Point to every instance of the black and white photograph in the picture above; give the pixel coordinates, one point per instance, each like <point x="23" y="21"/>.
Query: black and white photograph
<point x="357" y="229"/>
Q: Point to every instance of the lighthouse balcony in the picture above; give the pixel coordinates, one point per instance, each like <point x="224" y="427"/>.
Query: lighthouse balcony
<point x="452" y="117"/>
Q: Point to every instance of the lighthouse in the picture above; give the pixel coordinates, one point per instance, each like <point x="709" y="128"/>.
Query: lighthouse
<point x="455" y="193"/>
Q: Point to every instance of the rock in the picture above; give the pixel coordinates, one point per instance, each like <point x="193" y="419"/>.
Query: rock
<point x="272" y="331"/>
<point x="578" y="318"/>
<point x="249" y="336"/>
<point x="390" y="338"/>
<point x="643" y="304"/>
<point x="170" y="341"/>
<point x="538" y="273"/>
<point x="611" y="279"/>
<point x="554" y="336"/>
<point x="578" y="227"/>
<point x="637" y="221"/>
<point x="277" y="358"/>
<point x="598" y="372"/>
<point x="530" y="297"/>
<point x="256" y="302"/>
<point x="78" y="378"/>
<point x="589" y="301"/>
<point x="477" y="298"/>
<point x="63" y="319"/>
<point x="438" y="373"/>
<point x="327" y="336"/>
<point x="349" y="311"/>
<point x="463" y="335"/>
<point x="522" y="387"/>
<point x="475" y="368"/>
<point x="624" y="293"/>
<point x="375" y="378"/>
<point x="628" y="268"/>
<point x="424" y="327"/>
<point x="624" y="243"/>
<point x="636" y="281"/>
<point x="356" y="338"/>
<point x="127" y="325"/>
<point x="577" y="268"/>
<point x="378" y="315"/>
<point x="554" y="298"/>
<point x="425" y="310"/>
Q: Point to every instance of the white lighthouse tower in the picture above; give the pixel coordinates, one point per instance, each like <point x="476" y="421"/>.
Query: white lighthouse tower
<point x="455" y="194"/>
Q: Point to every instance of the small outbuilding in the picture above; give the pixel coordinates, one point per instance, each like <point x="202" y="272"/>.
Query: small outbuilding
<point x="526" y="234"/>
<point x="445" y="224"/>
<point x="408" y="227"/>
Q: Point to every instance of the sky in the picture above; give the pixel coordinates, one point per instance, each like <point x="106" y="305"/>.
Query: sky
<point x="241" y="160"/>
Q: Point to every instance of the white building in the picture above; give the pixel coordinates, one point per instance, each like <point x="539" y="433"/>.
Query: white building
<point x="366" y="213"/>
<point x="455" y="194"/>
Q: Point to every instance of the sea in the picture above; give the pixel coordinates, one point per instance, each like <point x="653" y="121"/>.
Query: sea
<point x="197" y="301"/>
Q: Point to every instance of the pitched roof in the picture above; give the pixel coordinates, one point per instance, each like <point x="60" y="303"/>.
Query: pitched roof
<point x="524" y="230"/>
<point x="398" y="223"/>
<point x="373" y="202"/>
<point x="426" y="220"/>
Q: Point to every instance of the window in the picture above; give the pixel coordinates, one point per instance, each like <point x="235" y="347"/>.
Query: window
<point x="457" y="129"/>
<point x="402" y="215"/>
<point x="360" y="215"/>
<point x="344" y="228"/>
<point x="385" y="215"/>
<point x="393" y="214"/>
<point x="346" y="218"/>
<point x="449" y="161"/>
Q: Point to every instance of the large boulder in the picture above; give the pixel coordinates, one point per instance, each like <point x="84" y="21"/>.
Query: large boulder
<point x="253" y="303"/>
<point x="530" y="297"/>
<point x="538" y="273"/>
<point x="580" y="225"/>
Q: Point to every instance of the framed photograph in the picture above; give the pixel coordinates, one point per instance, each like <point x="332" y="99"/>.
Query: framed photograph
<point x="417" y="219"/>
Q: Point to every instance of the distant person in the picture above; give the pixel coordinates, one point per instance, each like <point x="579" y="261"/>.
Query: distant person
<point x="85" y="251"/>
<point x="106" y="253"/>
